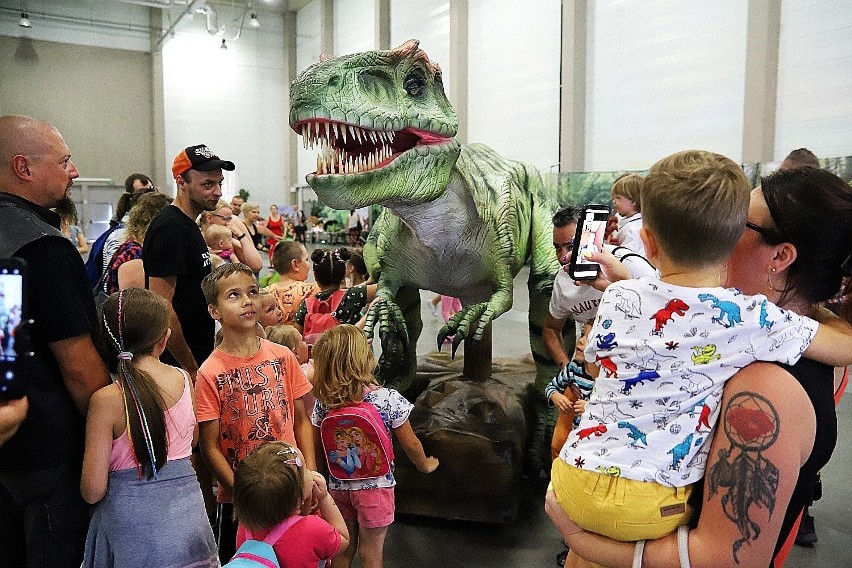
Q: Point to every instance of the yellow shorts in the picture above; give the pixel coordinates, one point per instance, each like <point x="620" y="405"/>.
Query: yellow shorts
<point x="617" y="507"/>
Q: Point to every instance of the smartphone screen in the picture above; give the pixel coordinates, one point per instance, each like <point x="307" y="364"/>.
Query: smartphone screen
<point x="589" y="238"/>
<point x="11" y="312"/>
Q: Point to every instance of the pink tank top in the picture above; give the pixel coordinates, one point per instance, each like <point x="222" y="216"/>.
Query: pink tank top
<point x="180" y="423"/>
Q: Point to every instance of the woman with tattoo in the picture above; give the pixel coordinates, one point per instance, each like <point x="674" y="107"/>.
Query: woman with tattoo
<point x="777" y="427"/>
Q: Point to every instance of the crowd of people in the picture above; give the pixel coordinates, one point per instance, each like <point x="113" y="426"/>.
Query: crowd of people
<point x="703" y="365"/>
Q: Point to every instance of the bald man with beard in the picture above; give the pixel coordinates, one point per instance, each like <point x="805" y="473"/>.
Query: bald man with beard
<point x="44" y="518"/>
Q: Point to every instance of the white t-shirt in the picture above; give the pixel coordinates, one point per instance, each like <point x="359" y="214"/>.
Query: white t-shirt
<point x="581" y="302"/>
<point x="628" y="233"/>
<point x="665" y="353"/>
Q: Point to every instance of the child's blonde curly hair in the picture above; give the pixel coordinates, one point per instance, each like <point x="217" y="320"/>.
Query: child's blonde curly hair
<point x="343" y="366"/>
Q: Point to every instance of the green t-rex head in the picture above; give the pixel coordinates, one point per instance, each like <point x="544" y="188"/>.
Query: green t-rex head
<point x="383" y="124"/>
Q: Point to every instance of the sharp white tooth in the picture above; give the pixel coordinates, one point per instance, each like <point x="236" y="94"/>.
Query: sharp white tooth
<point x="361" y="136"/>
<point x="343" y="131"/>
<point x="391" y="135"/>
<point x="334" y="129"/>
<point x="352" y="132"/>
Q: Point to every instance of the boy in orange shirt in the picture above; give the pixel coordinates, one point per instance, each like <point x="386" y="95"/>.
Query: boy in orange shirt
<point x="248" y="391"/>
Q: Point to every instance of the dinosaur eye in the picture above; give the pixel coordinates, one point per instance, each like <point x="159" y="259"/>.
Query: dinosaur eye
<point x="414" y="86"/>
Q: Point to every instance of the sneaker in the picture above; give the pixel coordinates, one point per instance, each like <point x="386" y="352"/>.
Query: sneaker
<point x="807" y="532"/>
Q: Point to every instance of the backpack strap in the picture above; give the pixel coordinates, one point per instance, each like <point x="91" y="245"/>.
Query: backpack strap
<point x="278" y="531"/>
<point x="334" y="301"/>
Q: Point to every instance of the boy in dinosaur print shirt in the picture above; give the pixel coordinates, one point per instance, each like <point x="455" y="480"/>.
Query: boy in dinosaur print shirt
<point x="666" y="346"/>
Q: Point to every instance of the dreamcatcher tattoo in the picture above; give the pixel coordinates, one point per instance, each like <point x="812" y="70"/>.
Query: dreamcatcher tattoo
<point x="751" y="424"/>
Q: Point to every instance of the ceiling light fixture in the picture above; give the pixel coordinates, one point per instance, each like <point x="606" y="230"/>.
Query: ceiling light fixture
<point x="25" y="21"/>
<point x="253" y="22"/>
<point x="224" y="45"/>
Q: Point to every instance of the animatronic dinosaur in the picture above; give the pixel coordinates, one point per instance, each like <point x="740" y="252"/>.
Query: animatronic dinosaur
<point x="458" y="220"/>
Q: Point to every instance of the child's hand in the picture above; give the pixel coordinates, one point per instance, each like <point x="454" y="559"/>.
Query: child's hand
<point x="560" y="401"/>
<point x="429" y="466"/>
<point x="320" y="489"/>
<point x="580" y="406"/>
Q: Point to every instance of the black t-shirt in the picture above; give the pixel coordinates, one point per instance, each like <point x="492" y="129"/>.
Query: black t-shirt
<point x="818" y="381"/>
<point x="61" y="305"/>
<point x="348" y="311"/>
<point x="174" y="247"/>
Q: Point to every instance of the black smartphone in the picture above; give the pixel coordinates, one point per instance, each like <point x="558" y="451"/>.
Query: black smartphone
<point x="588" y="238"/>
<point x="13" y="274"/>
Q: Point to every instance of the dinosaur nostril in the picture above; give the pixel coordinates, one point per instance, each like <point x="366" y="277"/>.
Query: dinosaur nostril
<point x="334" y="81"/>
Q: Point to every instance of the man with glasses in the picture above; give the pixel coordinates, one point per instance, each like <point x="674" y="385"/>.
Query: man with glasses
<point x="241" y="242"/>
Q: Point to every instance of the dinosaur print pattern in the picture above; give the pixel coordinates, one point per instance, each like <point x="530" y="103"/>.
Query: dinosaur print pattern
<point x="653" y="409"/>
<point x="666" y="314"/>
<point x="727" y="310"/>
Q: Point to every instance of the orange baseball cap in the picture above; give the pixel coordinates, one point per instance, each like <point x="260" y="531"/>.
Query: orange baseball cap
<point x="199" y="158"/>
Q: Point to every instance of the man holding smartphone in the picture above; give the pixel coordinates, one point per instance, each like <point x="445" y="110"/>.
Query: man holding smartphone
<point x="44" y="516"/>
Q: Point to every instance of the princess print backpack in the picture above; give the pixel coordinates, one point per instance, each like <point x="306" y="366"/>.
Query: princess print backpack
<point x="259" y="553"/>
<point x="356" y="442"/>
<point x="321" y="315"/>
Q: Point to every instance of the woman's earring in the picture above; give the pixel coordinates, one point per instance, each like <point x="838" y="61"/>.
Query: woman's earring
<point x="769" y="281"/>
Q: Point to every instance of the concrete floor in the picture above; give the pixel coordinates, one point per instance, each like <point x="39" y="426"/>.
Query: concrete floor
<point x="532" y="541"/>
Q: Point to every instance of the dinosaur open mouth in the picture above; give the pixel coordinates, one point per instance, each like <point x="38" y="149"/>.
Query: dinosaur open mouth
<point x="347" y="149"/>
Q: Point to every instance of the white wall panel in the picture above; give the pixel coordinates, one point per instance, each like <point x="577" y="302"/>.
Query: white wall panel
<point x="354" y="26"/>
<point x="814" y="104"/>
<point x="308" y="48"/>
<point x="232" y="100"/>
<point x="429" y="22"/>
<point x="663" y="76"/>
<point x="513" y="78"/>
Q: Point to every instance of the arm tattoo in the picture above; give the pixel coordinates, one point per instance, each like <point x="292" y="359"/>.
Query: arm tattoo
<point x="744" y="476"/>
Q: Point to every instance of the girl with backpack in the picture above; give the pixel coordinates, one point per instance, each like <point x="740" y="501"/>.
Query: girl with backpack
<point x="271" y="488"/>
<point x="139" y="435"/>
<point x="333" y="304"/>
<point x="348" y="398"/>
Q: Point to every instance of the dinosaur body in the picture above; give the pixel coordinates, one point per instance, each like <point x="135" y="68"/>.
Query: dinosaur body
<point x="458" y="220"/>
<point x="666" y="314"/>
<point x="727" y="310"/>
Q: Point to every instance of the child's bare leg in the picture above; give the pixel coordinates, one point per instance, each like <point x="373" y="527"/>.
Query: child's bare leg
<point x="371" y="546"/>
<point x="344" y="559"/>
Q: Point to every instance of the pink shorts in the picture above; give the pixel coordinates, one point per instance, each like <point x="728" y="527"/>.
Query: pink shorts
<point x="372" y="508"/>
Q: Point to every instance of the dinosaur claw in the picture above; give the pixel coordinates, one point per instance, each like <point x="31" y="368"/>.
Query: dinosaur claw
<point x="456" y="342"/>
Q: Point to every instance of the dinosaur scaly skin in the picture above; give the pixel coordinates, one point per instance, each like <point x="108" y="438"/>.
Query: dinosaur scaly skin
<point x="458" y="220"/>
